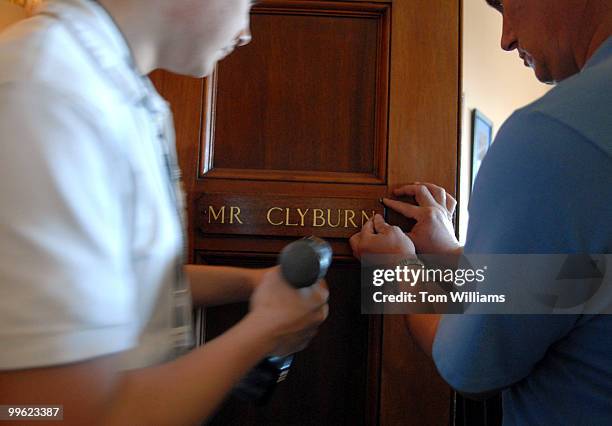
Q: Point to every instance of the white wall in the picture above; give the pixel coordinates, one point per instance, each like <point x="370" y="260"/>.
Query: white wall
<point x="494" y="81"/>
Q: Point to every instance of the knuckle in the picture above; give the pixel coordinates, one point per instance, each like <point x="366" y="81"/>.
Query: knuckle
<point x="422" y="189"/>
<point x="435" y="189"/>
<point x="324" y="313"/>
<point x="430" y="212"/>
<point x="321" y="315"/>
<point x="323" y="296"/>
<point x="404" y="208"/>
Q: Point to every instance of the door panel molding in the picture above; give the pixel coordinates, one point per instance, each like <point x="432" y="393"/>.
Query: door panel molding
<point x="336" y="120"/>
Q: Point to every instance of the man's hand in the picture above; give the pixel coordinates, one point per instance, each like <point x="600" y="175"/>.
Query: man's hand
<point x="378" y="237"/>
<point x="292" y="315"/>
<point x="433" y="232"/>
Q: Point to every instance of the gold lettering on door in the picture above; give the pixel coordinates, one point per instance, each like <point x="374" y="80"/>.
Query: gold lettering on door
<point x="218" y="216"/>
<point x="213" y="215"/>
<point x="235" y="214"/>
<point x="291" y="217"/>
<point x="269" y="216"/>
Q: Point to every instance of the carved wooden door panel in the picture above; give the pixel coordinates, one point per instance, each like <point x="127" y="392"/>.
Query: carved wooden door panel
<point x="333" y="104"/>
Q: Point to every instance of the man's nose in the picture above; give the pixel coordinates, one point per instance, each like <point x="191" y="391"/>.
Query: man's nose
<point x="244" y="37"/>
<point x="508" y="38"/>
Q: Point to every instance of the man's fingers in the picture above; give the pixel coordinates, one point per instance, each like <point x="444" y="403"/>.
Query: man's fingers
<point x="380" y="225"/>
<point x="408" y="210"/>
<point x="354" y="242"/>
<point x="324" y="313"/>
<point x="368" y="228"/>
<point x="404" y="190"/>
<point x="438" y="192"/>
<point x="322" y="292"/>
<point x="451" y="204"/>
<point x="419" y="192"/>
<point x="444" y="198"/>
<point x="316" y="295"/>
<point x="411" y="236"/>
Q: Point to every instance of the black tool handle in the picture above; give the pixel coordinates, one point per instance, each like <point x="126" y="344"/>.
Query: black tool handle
<point x="303" y="263"/>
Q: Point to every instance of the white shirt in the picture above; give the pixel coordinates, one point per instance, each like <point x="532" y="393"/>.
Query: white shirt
<point x="90" y="236"/>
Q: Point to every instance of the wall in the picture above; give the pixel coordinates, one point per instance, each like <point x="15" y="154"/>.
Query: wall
<point x="494" y="81"/>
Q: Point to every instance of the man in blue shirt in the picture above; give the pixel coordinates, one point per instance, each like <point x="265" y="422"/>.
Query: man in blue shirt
<point x="545" y="187"/>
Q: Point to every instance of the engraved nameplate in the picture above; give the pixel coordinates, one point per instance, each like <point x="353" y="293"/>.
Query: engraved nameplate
<point x="283" y="216"/>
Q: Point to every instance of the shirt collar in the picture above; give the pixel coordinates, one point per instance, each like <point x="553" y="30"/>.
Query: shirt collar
<point x="601" y="54"/>
<point x="91" y="15"/>
<point x="100" y="36"/>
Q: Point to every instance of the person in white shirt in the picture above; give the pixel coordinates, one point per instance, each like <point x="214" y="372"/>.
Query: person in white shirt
<point x="94" y="296"/>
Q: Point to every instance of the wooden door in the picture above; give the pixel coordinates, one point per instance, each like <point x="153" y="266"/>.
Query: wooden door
<point x="333" y="104"/>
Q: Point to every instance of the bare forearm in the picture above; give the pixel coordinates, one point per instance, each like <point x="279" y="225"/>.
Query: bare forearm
<point x="423" y="328"/>
<point x="218" y="285"/>
<point x="456" y="256"/>
<point x="189" y="389"/>
<point x="447" y="259"/>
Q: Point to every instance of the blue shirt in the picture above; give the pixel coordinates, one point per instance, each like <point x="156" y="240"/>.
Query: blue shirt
<point x="545" y="187"/>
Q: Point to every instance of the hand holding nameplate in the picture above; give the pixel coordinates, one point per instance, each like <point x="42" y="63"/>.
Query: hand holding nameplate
<point x="433" y="232"/>
<point x="378" y="237"/>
